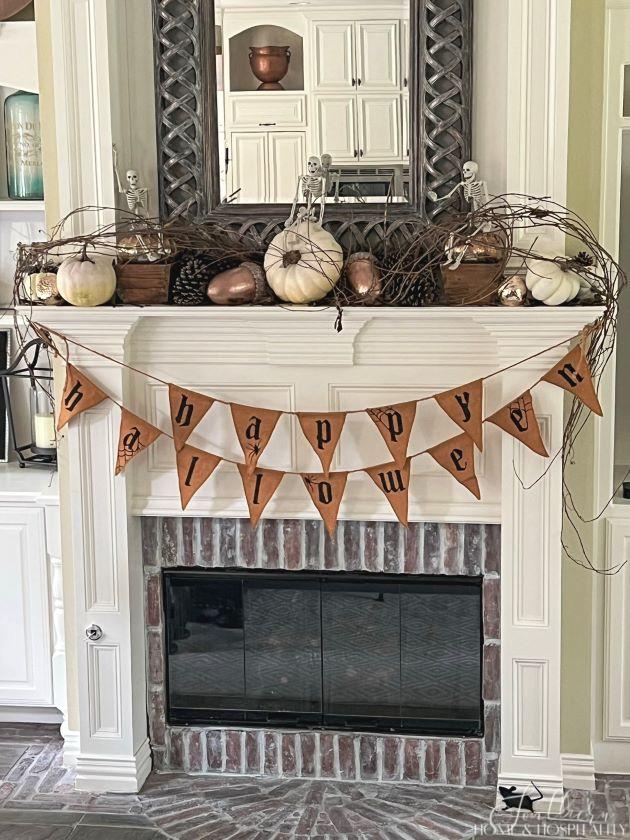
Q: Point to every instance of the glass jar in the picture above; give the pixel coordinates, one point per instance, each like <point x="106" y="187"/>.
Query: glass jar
<point x="25" y="176"/>
<point x="43" y="422"/>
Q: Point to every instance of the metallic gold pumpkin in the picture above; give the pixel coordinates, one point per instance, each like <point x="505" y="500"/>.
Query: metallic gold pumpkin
<point x="363" y="276"/>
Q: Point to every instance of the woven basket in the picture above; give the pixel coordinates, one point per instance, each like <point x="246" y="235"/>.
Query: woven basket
<point x="143" y="283"/>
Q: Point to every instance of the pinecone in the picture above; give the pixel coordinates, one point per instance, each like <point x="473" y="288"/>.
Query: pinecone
<point x="421" y="291"/>
<point x="584" y="259"/>
<point x="190" y="279"/>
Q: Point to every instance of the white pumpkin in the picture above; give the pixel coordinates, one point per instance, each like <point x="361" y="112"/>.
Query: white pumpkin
<point x="303" y="263"/>
<point x="550" y="283"/>
<point x="86" y="280"/>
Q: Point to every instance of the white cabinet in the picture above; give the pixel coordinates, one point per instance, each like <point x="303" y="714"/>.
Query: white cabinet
<point x="333" y="55"/>
<point x="404" y="54"/>
<point x="404" y="104"/>
<point x="265" y="165"/>
<point x="377" y="51"/>
<point x="380" y="128"/>
<point x="337" y="127"/>
<point x="25" y="631"/>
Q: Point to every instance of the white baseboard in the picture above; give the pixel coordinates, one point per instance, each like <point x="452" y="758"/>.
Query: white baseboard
<point x="71" y="746"/>
<point x="550" y="787"/>
<point x="113" y="773"/>
<point x="30" y="714"/>
<point x="578" y="771"/>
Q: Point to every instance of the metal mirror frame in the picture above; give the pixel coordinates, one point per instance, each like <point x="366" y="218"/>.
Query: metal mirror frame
<point x="440" y="52"/>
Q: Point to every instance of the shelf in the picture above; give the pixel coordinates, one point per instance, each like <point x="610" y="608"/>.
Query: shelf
<point x="10" y="205"/>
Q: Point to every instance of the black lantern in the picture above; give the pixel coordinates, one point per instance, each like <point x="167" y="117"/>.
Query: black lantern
<point x="41" y="451"/>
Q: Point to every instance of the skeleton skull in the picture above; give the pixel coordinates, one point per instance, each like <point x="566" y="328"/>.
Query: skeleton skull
<point x="470" y="170"/>
<point x="133" y="179"/>
<point x="314" y="166"/>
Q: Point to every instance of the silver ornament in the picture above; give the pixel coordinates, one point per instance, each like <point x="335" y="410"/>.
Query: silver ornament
<point x="513" y="291"/>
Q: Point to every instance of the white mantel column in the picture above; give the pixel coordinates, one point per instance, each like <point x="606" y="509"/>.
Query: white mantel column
<point x="113" y="751"/>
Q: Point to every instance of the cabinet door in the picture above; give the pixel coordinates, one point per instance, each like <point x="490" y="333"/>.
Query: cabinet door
<point x="378" y="57"/>
<point x="333" y="55"/>
<point x="404" y="104"/>
<point x="336" y="127"/>
<point x="380" y="128"/>
<point x="287" y="161"/>
<point x="25" y="644"/>
<point x="248" y="166"/>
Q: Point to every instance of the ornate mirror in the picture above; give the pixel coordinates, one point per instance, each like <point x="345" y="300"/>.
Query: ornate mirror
<point x="252" y="95"/>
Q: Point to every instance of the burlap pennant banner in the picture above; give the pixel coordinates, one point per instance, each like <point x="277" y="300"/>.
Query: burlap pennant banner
<point x="254" y="427"/>
<point x="457" y="455"/>
<point x="259" y="487"/>
<point x="573" y="374"/>
<point x="322" y="431"/>
<point x="464" y="405"/>
<point x="194" y="468"/>
<point x="395" y="422"/>
<point x="393" y="481"/>
<point x="79" y="394"/>
<point x="134" y="437"/>
<point x="188" y="408"/>
<point x="518" y="419"/>
<point x="326" y="491"/>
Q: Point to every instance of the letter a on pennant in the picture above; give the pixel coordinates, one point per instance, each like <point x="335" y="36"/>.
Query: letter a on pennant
<point x="457" y="455"/>
<point x="326" y="491"/>
<point x="395" y="422"/>
<point x="79" y="394"/>
<point x="188" y="409"/>
<point x="134" y="437"/>
<point x="259" y="487"/>
<point x="254" y="427"/>
<point x="194" y="468"/>
<point x="573" y="374"/>
<point x="464" y="406"/>
<point x="393" y="481"/>
<point x="518" y="419"/>
<point x="322" y="431"/>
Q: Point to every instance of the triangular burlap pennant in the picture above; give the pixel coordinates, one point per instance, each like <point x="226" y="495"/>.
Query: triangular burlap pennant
<point x="326" y="491"/>
<point x="194" y="468"/>
<point x="254" y="427"/>
<point x="395" y="422"/>
<point x="322" y="431"/>
<point x="134" y="437"/>
<point x="79" y="394"/>
<point x="518" y="419"/>
<point x="573" y="374"/>
<point x="393" y="481"/>
<point x="259" y="487"/>
<point x="188" y="408"/>
<point x="457" y="455"/>
<point x="464" y="405"/>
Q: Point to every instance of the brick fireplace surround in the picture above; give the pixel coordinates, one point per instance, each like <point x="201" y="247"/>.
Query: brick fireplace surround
<point x="294" y="545"/>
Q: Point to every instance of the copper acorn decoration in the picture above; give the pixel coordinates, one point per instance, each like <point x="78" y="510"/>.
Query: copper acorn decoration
<point x="244" y="284"/>
<point x="513" y="291"/>
<point x="364" y="277"/>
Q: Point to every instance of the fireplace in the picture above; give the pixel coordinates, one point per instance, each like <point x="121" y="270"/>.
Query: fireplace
<point x="347" y="652"/>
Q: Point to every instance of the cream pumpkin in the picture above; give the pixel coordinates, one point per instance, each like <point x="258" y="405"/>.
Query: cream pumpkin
<point x="86" y="280"/>
<point x="303" y="263"/>
<point x="550" y="283"/>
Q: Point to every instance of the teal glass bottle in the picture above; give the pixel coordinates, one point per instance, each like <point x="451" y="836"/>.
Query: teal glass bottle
<point x="25" y="177"/>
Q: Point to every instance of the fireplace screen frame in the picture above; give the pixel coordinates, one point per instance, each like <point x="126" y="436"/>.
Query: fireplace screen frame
<point x="322" y="721"/>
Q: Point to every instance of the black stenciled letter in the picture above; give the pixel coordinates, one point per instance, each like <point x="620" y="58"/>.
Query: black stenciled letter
<point x="394" y="425"/>
<point x="324" y="491"/>
<point x="256" y="496"/>
<point x="252" y="432"/>
<point x="392" y="481"/>
<point x="74" y="397"/>
<point x="457" y="456"/>
<point x="463" y="400"/>
<point x="184" y="413"/>
<point x="324" y="433"/>
<point x="131" y="440"/>
<point x="518" y="416"/>
<point x="191" y="469"/>
<point x="570" y="375"/>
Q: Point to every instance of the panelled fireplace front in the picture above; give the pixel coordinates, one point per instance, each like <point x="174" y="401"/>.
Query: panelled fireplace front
<point x="336" y="651"/>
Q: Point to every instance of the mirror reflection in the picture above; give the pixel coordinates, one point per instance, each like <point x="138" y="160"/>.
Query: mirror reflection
<point x="308" y="89"/>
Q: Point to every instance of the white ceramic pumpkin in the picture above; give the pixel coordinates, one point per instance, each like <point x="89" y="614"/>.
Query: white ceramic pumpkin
<point x="86" y="280"/>
<point x="550" y="283"/>
<point x="303" y="263"/>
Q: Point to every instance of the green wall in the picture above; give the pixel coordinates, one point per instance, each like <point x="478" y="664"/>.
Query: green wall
<point x="583" y="197"/>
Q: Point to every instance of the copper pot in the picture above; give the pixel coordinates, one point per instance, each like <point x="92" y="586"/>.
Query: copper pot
<point x="269" y="65"/>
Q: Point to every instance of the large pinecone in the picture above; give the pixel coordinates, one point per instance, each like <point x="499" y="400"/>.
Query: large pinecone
<point x="190" y="278"/>
<point x="401" y="290"/>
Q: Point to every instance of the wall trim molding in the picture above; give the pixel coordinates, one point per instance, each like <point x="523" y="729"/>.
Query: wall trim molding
<point x="114" y="773"/>
<point x="578" y="771"/>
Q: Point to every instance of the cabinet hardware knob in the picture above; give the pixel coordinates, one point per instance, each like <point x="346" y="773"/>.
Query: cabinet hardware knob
<point x="356" y="153"/>
<point x="360" y="152"/>
<point x="358" y="81"/>
<point x="266" y="123"/>
<point x="94" y="633"/>
<point x="405" y="82"/>
<point x="354" y="81"/>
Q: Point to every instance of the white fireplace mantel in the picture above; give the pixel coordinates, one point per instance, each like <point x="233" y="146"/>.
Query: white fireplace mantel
<point x="293" y="359"/>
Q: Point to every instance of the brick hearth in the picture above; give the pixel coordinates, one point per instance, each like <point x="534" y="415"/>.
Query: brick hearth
<point x="422" y="548"/>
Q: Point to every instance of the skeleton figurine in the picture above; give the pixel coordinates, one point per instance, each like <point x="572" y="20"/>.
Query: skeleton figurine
<point x="313" y="186"/>
<point x="475" y="193"/>
<point x="135" y="196"/>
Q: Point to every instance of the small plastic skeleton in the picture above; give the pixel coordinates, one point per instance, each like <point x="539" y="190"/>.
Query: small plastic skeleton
<point x="476" y="194"/>
<point x="313" y="186"/>
<point x="135" y="196"/>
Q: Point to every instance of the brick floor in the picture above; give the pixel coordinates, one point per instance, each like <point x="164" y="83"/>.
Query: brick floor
<point x="38" y="802"/>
